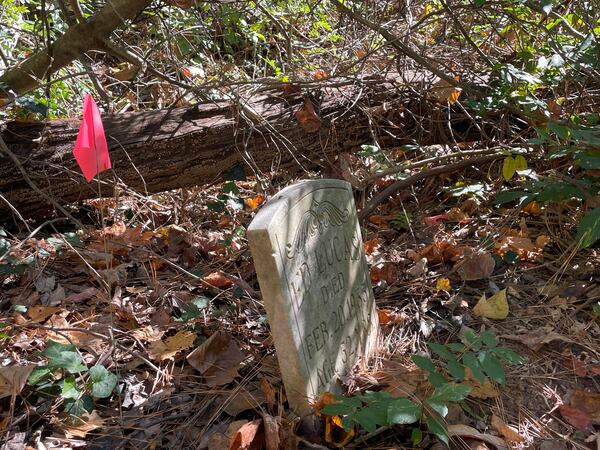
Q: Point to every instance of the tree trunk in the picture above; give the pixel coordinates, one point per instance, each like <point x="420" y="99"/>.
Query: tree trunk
<point x="77" y="40"/>
<point x="154" y="151"/>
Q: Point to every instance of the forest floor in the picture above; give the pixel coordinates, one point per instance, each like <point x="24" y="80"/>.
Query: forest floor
<point x="151" y="282"/>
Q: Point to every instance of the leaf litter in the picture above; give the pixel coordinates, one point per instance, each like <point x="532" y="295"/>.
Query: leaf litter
<point x="170" y="311"/>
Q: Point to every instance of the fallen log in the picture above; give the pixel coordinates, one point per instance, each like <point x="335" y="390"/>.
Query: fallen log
<point x="154" y="151"/>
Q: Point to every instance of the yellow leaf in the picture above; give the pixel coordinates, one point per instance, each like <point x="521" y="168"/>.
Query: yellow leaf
<point x="443" y="284"/>
<point x="520" y="162"/>
<point x="509" y="168"/>
<point x="496" y="307"/>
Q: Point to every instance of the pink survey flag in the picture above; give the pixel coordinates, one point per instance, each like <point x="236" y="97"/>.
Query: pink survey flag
<point x="91" y="150"/>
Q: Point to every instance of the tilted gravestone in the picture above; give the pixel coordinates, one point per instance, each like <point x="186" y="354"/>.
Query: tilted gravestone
<point x="309" y="258"/>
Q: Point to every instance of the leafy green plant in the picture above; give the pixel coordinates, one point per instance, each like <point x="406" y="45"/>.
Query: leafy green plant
<point x="479" y="354"/>
<point x="65" y="375"/>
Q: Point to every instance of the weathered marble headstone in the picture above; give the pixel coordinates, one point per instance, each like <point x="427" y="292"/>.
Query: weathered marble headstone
<point x="309" y="258"/>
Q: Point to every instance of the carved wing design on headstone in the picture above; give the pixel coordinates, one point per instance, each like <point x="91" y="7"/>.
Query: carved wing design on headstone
<point x="321" y="215"/>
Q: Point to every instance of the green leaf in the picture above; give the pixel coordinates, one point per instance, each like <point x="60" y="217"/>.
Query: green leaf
<point x="63" y="356"/>
<point x="450" y="392"/>
<point x="472" y="363"/>
<point x="437" y="428"/>
<point x="373" y="415"/>
<point x="236" y="173"/>
<point x="69" y="389"/>
<point x="589" y="229"/>
<point x="401" y="411"/>
<point x="423" y="362"/>
<point x="337" y="409"/>
<point x="416" y="436"/>
<point x="456" y="370"/>
<point x="508" y="356"/>
<point x="441" y="350"/>
<point x="440" y="408"/>
<point x="510" y="196"/>
<point x="79" y="406"/>
<point x="38" y="375"/>
<point x="489" y="338"/>
<point x="492" y="367"/>
<point x="471" y="340"/>
<point x="103" y="382"/>
<point x="437" y="379"/>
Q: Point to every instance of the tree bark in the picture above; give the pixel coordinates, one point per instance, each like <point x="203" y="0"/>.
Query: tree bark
<point x="155" y="151"/>
<point x="77" y="40"/>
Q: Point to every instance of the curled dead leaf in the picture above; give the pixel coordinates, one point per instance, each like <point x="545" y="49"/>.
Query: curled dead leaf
<point x="509" y="434"/>
<point x="308" y="118"/>
<point x="247" y="437"/>
<point x="218" y="279"/>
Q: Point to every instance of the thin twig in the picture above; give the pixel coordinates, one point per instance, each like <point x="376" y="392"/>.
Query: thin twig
<point x="401" y="184"/>
<point x="4" y="149"/>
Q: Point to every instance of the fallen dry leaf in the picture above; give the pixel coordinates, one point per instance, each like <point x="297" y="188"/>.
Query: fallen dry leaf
<point x="465" y="431"/>
<point x="81" y="426"/>
<point x="272" y="440"/>
<point x="510" y="435"/>
<point x="443" y="284"/>
<point x="13" y="379"/>
<point x="218" y="279"/>
<point x="386" y="271"/>
<point x="371" y="245"/>
<point x="248" y="437"/>
<point x="536" y="339"/>
<point x="579" y="419"/>
<point x="441" y="251"/>
<point x="588" y="402"/>
<point x="522" y="246"/>
<point x="319" y="74"/>
<point x="478" y="390"/>
<point x="167" y="349"/>
<point x="308" y="118"/>
<point x="391" y="317"/>
<point x="496" y="307"/>
<point x="381" y="221"/>
<point x="475" y="265"/>
<point x="398" y="379"/>
<point x="40" y="313"/>
<point x="217" y="359"/>
<point x="254" y="202"/>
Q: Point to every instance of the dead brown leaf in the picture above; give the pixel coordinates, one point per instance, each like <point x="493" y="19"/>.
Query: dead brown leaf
<point x="81" y="426"/>
<point x="40" y="313"/>
<point x="248" y="437"/>
<point x="272" y="440"/>
<point x="386" y="271"/>
<point x="508" y="433"/>
<point x="13" y="379"/>
<point x="308" y="118"/>
<point x="217" y="359"/>
<point x="588" y="402"/>
<point x="167" y="349"/>
<point x="391" y="317"/>
<point x="475" y="265"/>
<point x="579" y="419"/>
<point x="535" y="340"/>
<point x="218" y="279"/>
<point x="522" y="246"/>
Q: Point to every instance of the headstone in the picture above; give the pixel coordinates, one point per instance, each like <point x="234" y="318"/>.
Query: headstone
<point x="311" y="268"/>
